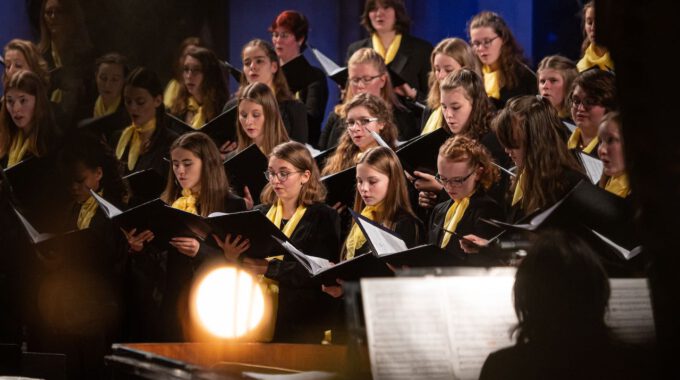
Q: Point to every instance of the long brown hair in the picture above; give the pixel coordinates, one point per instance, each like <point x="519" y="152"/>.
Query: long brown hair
<point x="178" y="65"/>
<point x="531" y="122"/>
<point x="274" y="130"/>
<point x="34" y="60"/>
<point x="43" y="129"/>
<point x="511" y="56"/>
<point x="465" y="149"/>
<point x="370" y="57"/>
<point x="213" y="86"/>
<point x="460" y="51"/>
<point x="473" y="90"/>
<point x="313" y="191"/>
<point x="214" y="183"/>
<point x="279" y="80"/>
<point x="345" y="154"/>
<point x="385" y="161"/>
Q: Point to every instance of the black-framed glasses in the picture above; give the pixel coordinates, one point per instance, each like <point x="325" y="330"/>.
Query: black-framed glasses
<point x="192" y="70"/>
<point x="452" y="181"/>
<point x="282" y="176"/>
<point x="365" y="80"/>
<point x="485" y="43"/>
<point x="586" y="102"/>
<point x="361" y="122"/>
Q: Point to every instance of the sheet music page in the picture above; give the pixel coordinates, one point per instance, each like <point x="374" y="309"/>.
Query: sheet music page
<point x="313" y="151"/>
<point x="630" y="313"/>
<point x="109" y="209"/>
<point x="436" y="328"/>
<point x="384" y="242"/>
<point x="570" y="126"/>
<point x="593" y="167"/>
<point x="314" y="264"/>
<point x="407" y="329"/>
<point x="481" y="315"/>
<point x="626" y="254"/>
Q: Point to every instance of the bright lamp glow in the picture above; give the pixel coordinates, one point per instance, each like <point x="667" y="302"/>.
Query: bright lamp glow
<point x="229" y="303"/>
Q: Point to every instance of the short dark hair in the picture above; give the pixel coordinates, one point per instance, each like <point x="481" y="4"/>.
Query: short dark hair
<point x="296" y="22"/>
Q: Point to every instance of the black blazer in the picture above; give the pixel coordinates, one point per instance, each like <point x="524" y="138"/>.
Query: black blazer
<point x="309" y="83"/>
<point x="412" y="61"/>
<point x="294" y="116"/>
<point x="305" y="312"/>
<point x="481" y="206"/>
<point x="527" y="85"/>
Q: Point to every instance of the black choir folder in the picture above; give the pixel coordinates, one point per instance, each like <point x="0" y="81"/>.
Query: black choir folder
<point x="421" y="152"/>
<point x="247" y="168"/>
<point x="105" y="126"/>
<point x="591" y="212"/>
<point x="167" y="222"/>
<point x="341" y="187"/>
<point x="324" y="272"/>
<point x="145" y="184"/>
<point x="221" y="128"/>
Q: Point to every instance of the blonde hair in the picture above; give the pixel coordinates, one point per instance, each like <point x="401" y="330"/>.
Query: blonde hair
<point x="567" y="69"/>
<point x="460" y="51"/>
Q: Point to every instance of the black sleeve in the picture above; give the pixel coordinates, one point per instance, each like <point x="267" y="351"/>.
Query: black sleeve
<point x="410" y="229"/>
<point x="294" y="115"/>
<point x="316" y="98"/>
<point x="325" y="139"/>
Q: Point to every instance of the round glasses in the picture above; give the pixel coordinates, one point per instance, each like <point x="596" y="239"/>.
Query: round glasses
<point x="281" y="176"/>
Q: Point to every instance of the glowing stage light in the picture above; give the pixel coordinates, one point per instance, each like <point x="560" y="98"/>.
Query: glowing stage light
<point x="229" y="303"/>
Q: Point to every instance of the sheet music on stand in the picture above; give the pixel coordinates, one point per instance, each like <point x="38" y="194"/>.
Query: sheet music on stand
<point x="445" y="327"/>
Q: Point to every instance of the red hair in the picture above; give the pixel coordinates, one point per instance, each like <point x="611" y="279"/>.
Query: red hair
<point x="296" y="22"/>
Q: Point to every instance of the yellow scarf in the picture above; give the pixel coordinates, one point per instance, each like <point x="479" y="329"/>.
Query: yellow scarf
<point x="171" y="92"/>
<point x="590" y="59"/>
<point x="198" y="119"/>
<point x="519" y="191"/>
<point x="57" y="94"/>
<point x="187" y="202"/>
<point x="391" y="50"/>
<point x="87" y="211"/>
<point x="132" y="135"/>
<point x="492" y="82"/>
<point x="618" y="185"/>
<point x="434" y="122"/>
<point x="18" y="149"/>
<point x="101" y="110"/>
<point x="453" y="216"/>
<point x="356" y="238"/>
<point x="575" y="141"/>
<point x="275" y="214"/>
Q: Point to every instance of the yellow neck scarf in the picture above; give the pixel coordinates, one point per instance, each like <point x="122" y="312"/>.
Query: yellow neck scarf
<point x="434" y="122"/>
<point x="171" y="92"/>
<point x="199" y="118"/>
<point x="87" y="211"/>
<point x="356" y="238"/>
<point x="575" y="141"/>
<point x="187" y="202"/>
<point x="453" y="216"/>
<point x="590" y="59"/>
<point x="618" y="185"/>
<point x="101" y="110"/>
<point x="391" y="50"/>
<point x="492" y="82"/>
<point x="519" y="190"/>
<point x="275" y="214"/>
<point x="18" y="149"/>
<point x="132" y="135"/>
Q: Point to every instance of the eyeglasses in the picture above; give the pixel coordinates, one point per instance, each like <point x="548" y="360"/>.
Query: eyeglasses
<point x="586" y="102"/>
<point x="452" y="181"/>
<point x="282" y="176"/>
<point x="282" y="35"/>
<point x="192" y="70"/>
<point x="486" y="43"/>
<point x="361" y="122"/>
<point x="365" y="80"/>
<point x="53" y="12"/>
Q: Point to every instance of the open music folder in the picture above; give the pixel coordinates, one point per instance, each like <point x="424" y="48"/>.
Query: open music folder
<point x="445" y="327"/>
